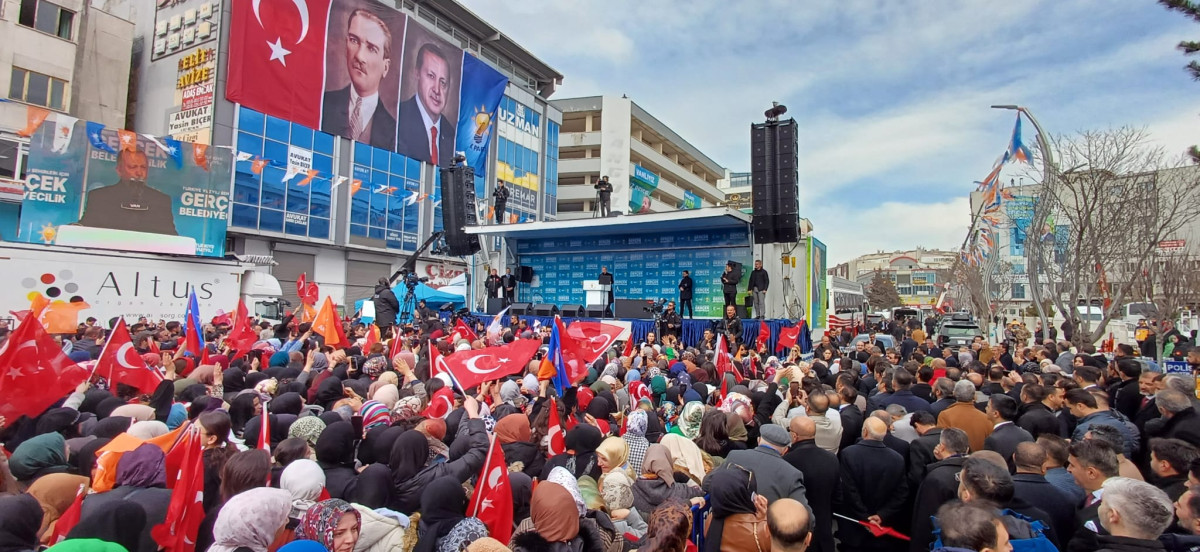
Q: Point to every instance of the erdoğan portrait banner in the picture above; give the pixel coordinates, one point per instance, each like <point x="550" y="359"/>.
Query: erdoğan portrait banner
<point x="364" y="71"/>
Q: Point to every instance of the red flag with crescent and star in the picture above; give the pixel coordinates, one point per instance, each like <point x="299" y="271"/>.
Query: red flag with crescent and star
<point x="555" y="431"/>
<point x="593" y="339"/>
<point x="185" y="512"/>
<point x="440" y="404"/>
<point x="119" y="362"/>
<point x="34" y="372"/>
<point x="473" y="367"/>
<point x="492" y="502"/>
<point x="277" y="58"/>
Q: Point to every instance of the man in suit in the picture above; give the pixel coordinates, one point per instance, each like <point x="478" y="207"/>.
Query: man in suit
<point x="943" y="394"/>
<point x="1030" y="485"/>
<point x="425" y="132"/>
<point x="776" y="477"/>
<point x="1001" y="411"/>
<point x="130" y="204"/>
<point x="874" y="488"/>
<point x="500" y="202"/>
<point x="1123" y="395"/>
<point x="1179" y="418"/>
<point x="355" y="111"/>
<point x="852" y="417"/>
<point x="1147" y="406"/>
<point x="1091" y="462"/>
<point x="685" y="294"/>
<point x="509" y="282"/>
<point x="939" y="486"/>
<point x="963" y="415"/>
<point x="1034" y="415"/>
<point x="902" y="382"/>
<point x="821" y="470"/>
<point x="923" y="389"/>
<point x="920" y="450"/>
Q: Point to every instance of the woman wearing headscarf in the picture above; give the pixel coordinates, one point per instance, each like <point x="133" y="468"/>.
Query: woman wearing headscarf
<point x="39" y="456"/>
<point x="522" y="492"/>
<point x="635" y="437"/>
<point x="287" y="403"/>
<point x="334" y="523"/>
<point x="20" y="519"/>
<point x="122" y="524"/>
<point x="613" y="455"/>
<point x="738" y="520"/>
<point x="335" y="455"/>
<point x="688" y="457"/>
<point x="304" y="480"/>
<point x="142" y="480"/>
<point x="689" y="420"/>
<point x="250" y="520"/>
<point x="308" y="428"/>
<point x="444" y="526"/>
<point x="409" y="461"/>
<point x="580" y="459"/>
<point x="668" y="528"/>
<point x="736" y="429"/>
<point x="243" y="407"/>
<point x="617" y="490"/>
<point x="55" y="493"/>
<point x="657" y="483"/>
<point x="516" y="441"/>
<point x="554" y="525"/>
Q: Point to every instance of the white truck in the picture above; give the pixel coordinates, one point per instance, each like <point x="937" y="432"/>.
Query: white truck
<point x="133" y="285"/>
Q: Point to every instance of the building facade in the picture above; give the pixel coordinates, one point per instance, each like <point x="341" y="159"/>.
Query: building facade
<point x="920" y="275"/>
<point x="65" y="56"/>
<point x="651" y="168"/>
<point x="345" y="237"/>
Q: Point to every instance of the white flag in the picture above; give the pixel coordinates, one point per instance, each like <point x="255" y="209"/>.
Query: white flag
<point x="337" y="181"/>
<point x="243" y="156"/>
<point x="64" y="127"/>
<point x="291" y="173"/>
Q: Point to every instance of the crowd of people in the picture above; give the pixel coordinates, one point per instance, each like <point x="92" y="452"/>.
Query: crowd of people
<point x="988" y="447"/>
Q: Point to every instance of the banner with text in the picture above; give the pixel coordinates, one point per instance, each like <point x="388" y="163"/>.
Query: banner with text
<point x="89" y="187"/>
<point x="641" y="184"/>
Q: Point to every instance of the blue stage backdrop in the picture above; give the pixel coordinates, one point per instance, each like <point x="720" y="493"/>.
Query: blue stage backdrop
<point x="645" y="266"/>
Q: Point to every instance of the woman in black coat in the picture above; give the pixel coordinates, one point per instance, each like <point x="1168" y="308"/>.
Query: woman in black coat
<point x="410" y="456"/>
<point x="335" y="455"/>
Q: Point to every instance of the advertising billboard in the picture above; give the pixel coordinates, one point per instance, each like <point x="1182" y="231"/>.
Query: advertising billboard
<point x="362" y="70"/>
<point x="183" y="24"/>
<point x="191" y="119"/>
<point x="90" y="186"/>
<point x="641" y="183"/>
<point x="817" y="285"/>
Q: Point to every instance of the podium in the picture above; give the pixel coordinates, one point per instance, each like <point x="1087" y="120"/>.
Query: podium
<point x="596" y="293"/>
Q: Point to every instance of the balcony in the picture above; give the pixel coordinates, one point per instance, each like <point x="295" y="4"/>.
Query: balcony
<point x="568" y="167"/>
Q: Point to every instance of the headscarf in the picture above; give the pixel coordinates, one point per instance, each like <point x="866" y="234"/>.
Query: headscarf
<point x="735" y="427"/>
<point x="241" y="409"/>
<point x="144" y="466"/>
<point x="287" y="403"/>
<point x="111" y="426"/>
<point x="659" y="463"/>
<point x="487" y="544"/>
<point x="335" y="446"/>
<point x="617" y="490"/>
<point x="551" y="512"/>
<point x="43" y="454"/>
<point x="148" y="430"/>
<point x="434" y="428"/>
<point x="686" y="455"/>
<point x="443" y="506"/>
<point x="529" y="384"/>
<point x="308" y="428"/>
<point x="563" y="477"/>
<point x="251" y="519"/>
<point x="85" y="459"/>
<point x="304" y="480"/>
<point x="20" y="519"/>
<point x="321" y="520"/>
<point x="590" y="491"/>
<point x="513" y="428"/>
<point x="658" y="385"/>
<point x="55" y="493"/>
<point x="689" y="419"/>
<point x="409" y="455"/>
<point x="303" y="546"/>
<point x="121" y="522"/>
<point x="139" y="412"/>
<point x="731" y="492"/>
<point x="522" y="489"/>
<point x="177" y="416"/>
<point x="375" y="414"/>
<point x="635" y="437"/>
<point x="406" y="407"/>
<point x="388" y="394"/>
<point x="87" y="545"/>
<point x="510" y="392"/>
<point x="615" y="452"/>
<point x="57" y="419"/>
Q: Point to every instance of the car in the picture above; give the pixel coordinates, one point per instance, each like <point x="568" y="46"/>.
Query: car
<point x="956" y="333"/>
<point x="887" y="340"/>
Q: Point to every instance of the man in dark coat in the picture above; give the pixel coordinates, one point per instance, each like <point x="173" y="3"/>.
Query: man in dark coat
<point x="1179" y="419"/>
<point x="509" y="283"/>
<point x="776" y="477"/>
<point x="1147" y="405"/>
<point x="902" y="382"/>
<point x="920" y="450"/>
<point x="757" y="286"/>
<point x="386" y="306"/>
<point x="1033" y="415"/>
<point x="130" y="204"/>
<point x="1123" y="395"/>
<point x="357" y="111"/>
<point x="874" y="488"/>
<point x="939" y="486"/>
<point x="1030" y="485"/>
<point x="820" y="468"/>
<point x="1002" y="410"/>
<point x="425" y="131"/>
<point x="852" y="417"/>
<point x="729" y="285"/>
<point x="685" y="294"/>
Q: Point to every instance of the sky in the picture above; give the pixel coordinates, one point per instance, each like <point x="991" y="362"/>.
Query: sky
<point x="892" y="98"/>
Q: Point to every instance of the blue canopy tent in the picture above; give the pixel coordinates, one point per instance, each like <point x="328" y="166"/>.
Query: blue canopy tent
<point x="433" y="298"/>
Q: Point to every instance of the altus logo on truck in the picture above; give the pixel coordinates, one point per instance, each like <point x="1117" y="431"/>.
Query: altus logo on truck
<point x="134" y="285"/>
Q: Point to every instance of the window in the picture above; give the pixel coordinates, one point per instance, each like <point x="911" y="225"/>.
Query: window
<point x="384" y="208"/>
<point x="38" y="89"/>
<point x="1018" y="291"/>
<point x="48" y="18"/>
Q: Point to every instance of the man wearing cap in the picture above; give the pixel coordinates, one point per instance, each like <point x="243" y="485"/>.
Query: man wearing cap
<point x="776" y="477"/>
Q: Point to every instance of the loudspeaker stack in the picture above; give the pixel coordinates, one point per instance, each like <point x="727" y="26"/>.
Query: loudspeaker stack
<point x="774" y="164"/>
<point x="459" y="210"/>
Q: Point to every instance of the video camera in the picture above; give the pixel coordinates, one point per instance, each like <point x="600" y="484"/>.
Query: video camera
<point x="411" y="279"/>
<point x="655" y="307"/>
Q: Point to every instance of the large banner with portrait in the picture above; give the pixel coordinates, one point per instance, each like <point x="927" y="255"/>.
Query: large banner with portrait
<point x="365" y="71"/>
<point x="89" y="186"/>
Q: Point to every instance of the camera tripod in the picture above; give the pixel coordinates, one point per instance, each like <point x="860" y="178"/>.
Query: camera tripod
<point x="408" y="305"/>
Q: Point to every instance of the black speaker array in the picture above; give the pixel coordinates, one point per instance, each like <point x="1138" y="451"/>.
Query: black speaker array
<point x="459" y="210"/>
<point x="774" y="163"/>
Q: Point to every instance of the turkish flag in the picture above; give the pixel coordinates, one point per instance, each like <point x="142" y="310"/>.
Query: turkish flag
<point x="464" y="332"/>
<point x="492" y="502"/>
<point x="440" y="404"/>
<point x="311" y="294"/>
<point x="592" y="339"/>
<point x="277" y="58"/>
<point x="555" y="431"/>
<point x="437" y="363"/>
<point x="764" y="333"/>
<point x="372" y="338"/>
<point x="725" y="364"/>
<point x="186" y="509"/>
<point x="628" y="352"/>
<point x="242" y="336"/>
<point x="301" y="281"/>
<point x="471" y="368"/>
<point x="119" y="362"/>
<point x="787" y="337"/>
<point x="34" y="372"/>
<point x="574" y="354"/>
<point x="69" y="519"/>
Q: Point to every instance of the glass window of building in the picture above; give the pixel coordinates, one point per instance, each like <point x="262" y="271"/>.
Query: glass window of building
<point x="518" y="157"/>
<point x="38" y="89"/>
<point x="262" y="200"/>
<point x="384" y="212"/>
<point x="47" y="17"/>
<point x="551" y="185"/>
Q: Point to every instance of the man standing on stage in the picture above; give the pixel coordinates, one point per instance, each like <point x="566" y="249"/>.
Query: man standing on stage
<point x="732" y="326"/>
<point x="685" y="294"/>
<point x="500" y="197"/>
<point x="494" y="286"/>
<point x="758" y="288"/>
<point x="607" y="279"/>
<point x="604" y="193"/>
<point x="672" y="322"/>
<point x="509" y="282"/>
<point x="729" y="286"/>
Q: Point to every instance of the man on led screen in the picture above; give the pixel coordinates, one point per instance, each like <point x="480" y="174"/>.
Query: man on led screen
<point x="355" y="111"/>
<point x="130" y="204"/>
